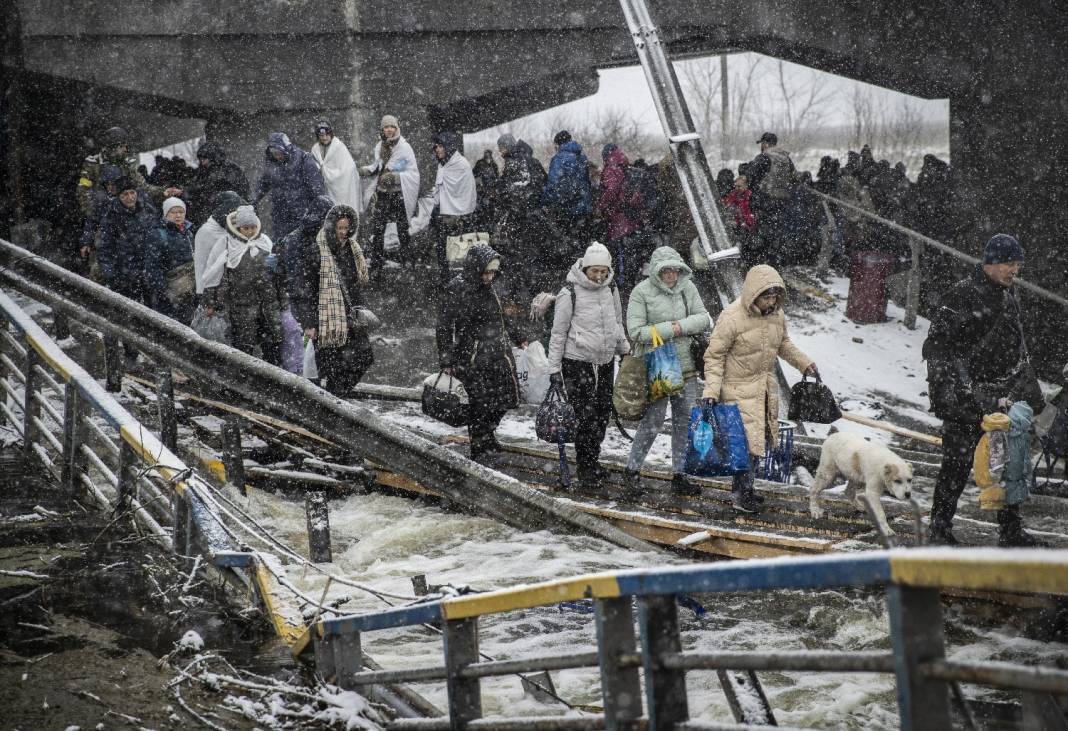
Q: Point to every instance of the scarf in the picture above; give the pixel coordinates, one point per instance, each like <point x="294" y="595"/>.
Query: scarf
<point x="333" y="319"/>
<point x="227" y="253"/>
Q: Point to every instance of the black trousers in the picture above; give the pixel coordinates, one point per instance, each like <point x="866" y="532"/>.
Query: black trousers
<point x="959" y="440"/>
<point x="389" y="208"/>
<point x="589" y="391"/>
<point x="484" y="421"/>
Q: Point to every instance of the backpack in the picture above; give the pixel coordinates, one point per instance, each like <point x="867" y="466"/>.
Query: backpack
<point x="639" y="183"/>
<point x="778" y="182"/>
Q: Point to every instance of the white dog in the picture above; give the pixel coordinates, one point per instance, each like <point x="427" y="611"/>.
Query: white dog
<point x="866" y="465"/>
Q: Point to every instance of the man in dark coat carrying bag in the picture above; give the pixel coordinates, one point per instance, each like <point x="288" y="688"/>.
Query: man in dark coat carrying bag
<point x="474" y="345"/>
<point x="977" y="363"/>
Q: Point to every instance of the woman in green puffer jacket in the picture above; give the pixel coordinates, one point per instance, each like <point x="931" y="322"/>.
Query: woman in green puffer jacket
<point x="669" y="302"/>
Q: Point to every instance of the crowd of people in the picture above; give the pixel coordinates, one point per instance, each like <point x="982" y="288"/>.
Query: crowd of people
<point x="777" y="217"/>
<point x="596" y="245"/>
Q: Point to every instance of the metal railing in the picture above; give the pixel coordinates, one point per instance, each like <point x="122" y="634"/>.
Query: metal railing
<point x="650" y="663"/>
<point x="106" y="453"/>
<point x="917" y="244"/>
<point x="249" y="380"/>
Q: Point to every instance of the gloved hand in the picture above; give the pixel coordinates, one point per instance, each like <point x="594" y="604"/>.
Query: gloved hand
<point x="708" y="402"/>
<point x="556" y="380"/>
<point x="272" y="263"/>
<point x="706" y="409"/>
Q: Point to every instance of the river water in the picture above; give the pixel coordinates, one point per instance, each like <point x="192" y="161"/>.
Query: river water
<point x="384" y="540"/>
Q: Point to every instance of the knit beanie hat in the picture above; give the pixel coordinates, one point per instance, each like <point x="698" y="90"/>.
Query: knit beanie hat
<point x="389" y="120"/>
<point x="125" y="183"/>
<point x="245" y="216"/>
<point x="1002" y="248"/>
<point x="493" y="265"/>
<point x="561" y="137"/>
<point x="323" y="126"/>
<point x="507" y="141"/>
<point x="172" y="202"/>
<point x="597" y="255"/>
<point x="607" y="150"/>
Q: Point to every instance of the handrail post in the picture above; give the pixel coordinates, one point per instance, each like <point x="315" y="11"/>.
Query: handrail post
<point x="827" y="244"/>
<point x="621" y="688"/>
<point x="326" y="657"/>
<point x="127" y="481"/>
<point x="168" y="420"/>
<point x="912" y="295"/>
<point x="182" y="538"/>
<point x="233" y="457"/>
<point x="461" y="649"/>
<point x="348" y="659"/>
<point x="3" y="377"/>
<point x="665" y="690"/>
<point x="73" y="436"/>
<point x="916" y="637"/>
<point x="30" y="407"/>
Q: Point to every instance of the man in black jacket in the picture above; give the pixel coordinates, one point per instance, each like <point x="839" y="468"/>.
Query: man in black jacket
<point x="214" y="175"/>
<point x="977" y="363"/>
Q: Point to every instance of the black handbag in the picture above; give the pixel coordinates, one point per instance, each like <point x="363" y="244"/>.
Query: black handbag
<point x="814" y="402"/>
<point x="446" y="406"/>
<point x="556" y="421"/>
<point x="698" y="346"/>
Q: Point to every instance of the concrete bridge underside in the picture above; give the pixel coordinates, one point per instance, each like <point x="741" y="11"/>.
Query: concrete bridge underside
<point x="246" y="68"/>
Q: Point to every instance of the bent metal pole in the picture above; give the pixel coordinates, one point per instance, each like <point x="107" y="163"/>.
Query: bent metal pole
<point x="296" y="399"/>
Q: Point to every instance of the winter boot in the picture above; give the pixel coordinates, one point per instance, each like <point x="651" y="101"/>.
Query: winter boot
<point x="632" y="485"/>
<point x="743" y="499"/>
<point x="591" y="477"/>
<point x="682" y="486"/>
<point x="1011" y="533"/>
<point x="941" y="534"/>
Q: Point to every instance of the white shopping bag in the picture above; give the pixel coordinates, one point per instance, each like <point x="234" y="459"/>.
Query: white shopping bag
<point x="390" y="238"/>
<point x="311" y="368"/>
<point x="531" y="367"/>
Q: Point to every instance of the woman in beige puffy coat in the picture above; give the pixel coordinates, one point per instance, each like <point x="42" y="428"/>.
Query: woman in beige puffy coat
<point x="748" y="338"/>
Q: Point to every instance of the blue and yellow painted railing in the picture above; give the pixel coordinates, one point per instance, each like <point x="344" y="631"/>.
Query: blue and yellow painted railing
<point x="1032" y="571"/>
<point x="913" y="577"/>
<point x="284" y="616"/>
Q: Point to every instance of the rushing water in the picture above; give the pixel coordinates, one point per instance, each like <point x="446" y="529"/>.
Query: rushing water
<point x="383" y="541"/>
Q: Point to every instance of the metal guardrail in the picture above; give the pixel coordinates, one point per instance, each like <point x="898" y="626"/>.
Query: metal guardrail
<point x="913" y="579"/>
<point x="294" y="398"/>
<point x="132" y="470"/>
<point x="917" y="243"/>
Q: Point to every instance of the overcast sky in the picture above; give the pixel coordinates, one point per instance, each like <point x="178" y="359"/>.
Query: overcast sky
<point x="626" y="88"/>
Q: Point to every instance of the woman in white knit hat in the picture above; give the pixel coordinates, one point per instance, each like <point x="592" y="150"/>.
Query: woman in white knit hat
<point x="169" y="263"/>
<point x="586" y="337"/>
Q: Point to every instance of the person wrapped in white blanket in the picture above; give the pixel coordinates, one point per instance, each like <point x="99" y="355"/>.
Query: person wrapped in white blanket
<point x="393" y="194"/>
<point x="454" y="195"/>
<point x="337" y="167"/>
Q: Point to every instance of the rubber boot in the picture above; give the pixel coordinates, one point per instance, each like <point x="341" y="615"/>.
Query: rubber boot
<point x="632" y="485"/>
<point x="591" y="477"/>
<point x="743" y="498"/>
<point x="1011" y="533"/>
<point x="682" y="486"/>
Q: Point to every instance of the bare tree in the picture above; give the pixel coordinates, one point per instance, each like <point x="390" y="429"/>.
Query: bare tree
<point x="701" y="82"/>
<point x="801" y="104"/>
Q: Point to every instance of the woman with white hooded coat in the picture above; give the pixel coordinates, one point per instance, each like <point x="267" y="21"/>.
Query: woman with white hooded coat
<point x="587" y="335"/>
<point x="455" y="195"/>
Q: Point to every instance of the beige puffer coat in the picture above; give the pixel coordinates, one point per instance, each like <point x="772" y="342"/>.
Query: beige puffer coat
<point x="741" y="356"/>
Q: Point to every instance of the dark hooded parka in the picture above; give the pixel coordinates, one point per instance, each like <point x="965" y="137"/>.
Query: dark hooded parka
<point x="293" y="183"/>
<point x="473" y="339"/>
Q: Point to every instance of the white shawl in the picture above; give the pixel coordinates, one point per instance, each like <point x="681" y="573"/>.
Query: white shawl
<point x="203" y="243"/>
<point x="402" y="162"/>
<point x="454" y="187"/>
<point x="339" y="173"/>
<point x="229" y="250"/>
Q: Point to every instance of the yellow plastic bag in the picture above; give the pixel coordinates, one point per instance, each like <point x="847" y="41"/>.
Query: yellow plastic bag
<point x="663" y="369"/>
<point x="991" y="456"/>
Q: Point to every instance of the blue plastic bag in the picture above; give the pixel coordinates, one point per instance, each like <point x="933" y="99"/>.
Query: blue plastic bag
<point x="729" y="451"/>
<point x="663" y="369"/>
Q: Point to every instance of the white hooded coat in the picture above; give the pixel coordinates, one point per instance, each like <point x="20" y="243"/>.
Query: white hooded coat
<point x="592" y="331"/>
<point x="454" y="187"/>
<point x="203" y="243"/>
<point x="339" y="173"/>
<point x="402" y="162"/>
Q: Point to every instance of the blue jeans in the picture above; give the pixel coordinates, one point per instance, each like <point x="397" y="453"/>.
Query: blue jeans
<point x="649" y="427"/>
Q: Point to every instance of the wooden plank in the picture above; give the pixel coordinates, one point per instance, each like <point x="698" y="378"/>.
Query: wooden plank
<point x="893" y="429"/>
